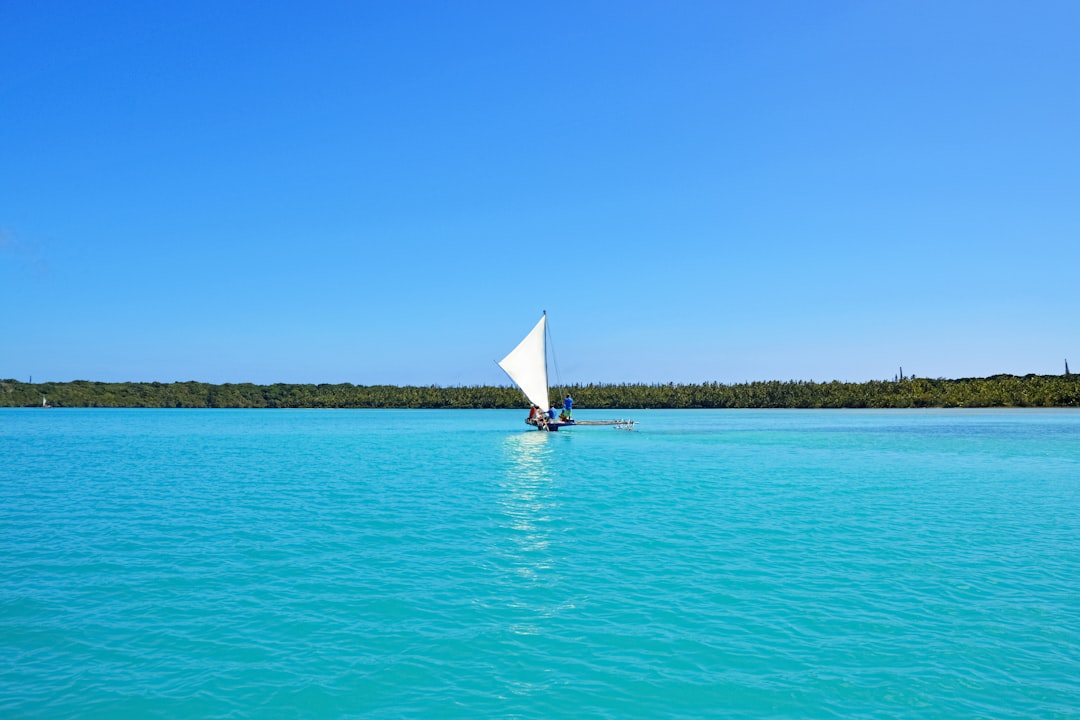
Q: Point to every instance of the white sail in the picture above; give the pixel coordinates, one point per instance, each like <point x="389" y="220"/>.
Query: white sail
<point x="527" y="365"/>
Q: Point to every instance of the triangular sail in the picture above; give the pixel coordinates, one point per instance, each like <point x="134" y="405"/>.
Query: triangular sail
<point x="527" y="365"/>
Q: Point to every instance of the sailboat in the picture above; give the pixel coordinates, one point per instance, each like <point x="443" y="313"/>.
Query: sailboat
<point x="527" y="367"/>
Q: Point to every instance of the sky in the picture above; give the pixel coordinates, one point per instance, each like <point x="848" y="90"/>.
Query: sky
<point x="393" y="193"/>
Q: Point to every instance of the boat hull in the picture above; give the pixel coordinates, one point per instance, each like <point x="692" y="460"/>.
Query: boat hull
<point x="549" y="426"/>
<point x="554" y="426"/>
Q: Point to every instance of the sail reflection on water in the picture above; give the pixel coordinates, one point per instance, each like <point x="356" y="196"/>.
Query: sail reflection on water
<point x="527" y="500"/>
<point x="528" y="513"/>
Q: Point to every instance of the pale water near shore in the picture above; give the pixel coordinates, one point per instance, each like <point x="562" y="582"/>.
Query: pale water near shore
<point x="232" y="563"/>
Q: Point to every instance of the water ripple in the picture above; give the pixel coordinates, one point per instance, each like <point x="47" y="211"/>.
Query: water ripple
<point x="347" y="564"/>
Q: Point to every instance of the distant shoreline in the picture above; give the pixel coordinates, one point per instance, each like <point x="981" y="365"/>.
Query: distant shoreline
<point x="994" y="391"/>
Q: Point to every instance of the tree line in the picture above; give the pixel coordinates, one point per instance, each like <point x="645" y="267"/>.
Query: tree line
<point x="994" y="391"/>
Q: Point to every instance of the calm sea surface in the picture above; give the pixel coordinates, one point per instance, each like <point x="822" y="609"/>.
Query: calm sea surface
<point x="385" y="564"/>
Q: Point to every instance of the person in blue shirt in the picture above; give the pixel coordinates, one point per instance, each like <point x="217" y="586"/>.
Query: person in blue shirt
<point x="568" y="407"/>
<point x="551" y="414"/>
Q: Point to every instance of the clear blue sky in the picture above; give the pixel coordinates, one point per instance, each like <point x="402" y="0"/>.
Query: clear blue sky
<point x="392" y="193"/>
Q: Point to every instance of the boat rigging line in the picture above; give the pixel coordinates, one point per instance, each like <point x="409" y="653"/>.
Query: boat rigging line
<point x="554" y="360"/>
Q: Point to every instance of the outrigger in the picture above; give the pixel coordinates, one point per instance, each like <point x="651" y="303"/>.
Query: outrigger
<point x="527" y="367"/>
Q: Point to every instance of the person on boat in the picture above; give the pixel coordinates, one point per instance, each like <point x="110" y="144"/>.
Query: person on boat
<point x="532" y="414"/>
<point x="552" y="412"/>
<point x="568" y="407"/>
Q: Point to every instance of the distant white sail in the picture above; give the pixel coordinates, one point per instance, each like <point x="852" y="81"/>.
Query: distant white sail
<point x="527" y="365"/>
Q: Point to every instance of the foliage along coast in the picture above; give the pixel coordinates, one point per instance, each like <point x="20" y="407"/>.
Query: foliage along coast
<point x="995" y="391"/>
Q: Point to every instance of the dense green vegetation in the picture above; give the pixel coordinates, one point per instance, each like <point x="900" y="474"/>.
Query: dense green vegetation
<point x="996" y="391"/>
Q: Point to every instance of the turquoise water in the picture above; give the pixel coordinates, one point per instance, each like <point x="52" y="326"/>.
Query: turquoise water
<point x="384" y="564"/>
